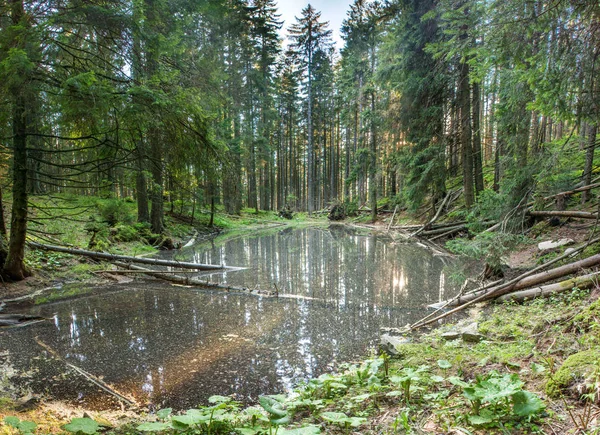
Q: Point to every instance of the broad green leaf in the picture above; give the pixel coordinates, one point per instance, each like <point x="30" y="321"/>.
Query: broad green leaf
<point x="334" y="417"/>
<point x="83" y="425"/>
<point x="248" y="430"/>
<point x="455" y="380"/>
<point x="305" y="430"/>
<point x="526" y="404"/>
<point x="12" y="421"/>
<point x="280" y="421"/>
<point x="219" y="399"/>
<point x="477" y="420"/>
<point x="27" y="427"/>
<point x="156" y="426"/>
<point x="444" y="364"/>
<point x="339" y="386"/>
<point x="356" y="421"/>
<point x="272" y="406"/>
<point x="394" y="393"/>
<point x="361" y="398"/>
<point x="436" y="378"/>
<point x="164" y="413"/>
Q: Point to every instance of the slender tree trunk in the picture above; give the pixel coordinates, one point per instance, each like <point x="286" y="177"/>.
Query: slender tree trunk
<point x="464" y="102"/>
<point x="477" y="160"/>
<point x="589" y="160"/>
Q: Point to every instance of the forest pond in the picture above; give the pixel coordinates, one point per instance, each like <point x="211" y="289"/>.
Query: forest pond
<point x="168" y="345"/>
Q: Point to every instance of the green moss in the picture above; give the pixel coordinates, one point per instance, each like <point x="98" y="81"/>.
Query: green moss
<point x="578" y="365"/>
<point x="6" y="404"/>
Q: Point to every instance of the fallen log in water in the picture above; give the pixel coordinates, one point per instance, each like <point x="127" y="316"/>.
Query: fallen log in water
<point x="582" y="282"/>
<point x="126" y="258"/>
<point x="194" y="281"/>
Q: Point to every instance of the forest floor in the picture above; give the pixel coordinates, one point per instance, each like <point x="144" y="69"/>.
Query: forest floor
<point x="534" y="369"/>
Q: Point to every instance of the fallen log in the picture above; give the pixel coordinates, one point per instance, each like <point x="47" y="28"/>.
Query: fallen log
<point x="114" y="257"/>
<point x="498" y="288"/>
<point x="526" y="282"/>
<point x="193" y="281"/>
<point x="435" y="218"/>
<point x="570" y="192"/>
<point x="582" y="282"/>
<point x="565" y="214"/>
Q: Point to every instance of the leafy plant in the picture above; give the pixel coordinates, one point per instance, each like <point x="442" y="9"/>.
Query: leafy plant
<point x="82" y="426"/>
<point x="408" y="377"/>
<point x="495" y="397"/>
<point x="23" y="426"/>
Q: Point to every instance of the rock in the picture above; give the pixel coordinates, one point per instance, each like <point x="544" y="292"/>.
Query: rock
<point x="471" y="334"/>
<point x="552" y="244"/>
<point x="390" y="344"/>
<point x="451" y="335"/>
<point x="392" y="331"/>
<point x="570" y="251"/>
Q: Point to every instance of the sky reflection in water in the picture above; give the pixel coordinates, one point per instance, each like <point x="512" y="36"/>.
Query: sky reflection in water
<point x="172" y="346"/>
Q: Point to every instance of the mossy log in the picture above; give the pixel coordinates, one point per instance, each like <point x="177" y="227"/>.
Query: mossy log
<point x="582" y="282"/>
<point x="564" y="214"/>
<point x="524" y="283"/>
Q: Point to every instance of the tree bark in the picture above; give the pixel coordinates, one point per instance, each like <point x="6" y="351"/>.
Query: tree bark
<point x="582" y="282"/>
<point x="566" y="214"/>
<point x="527" y="282"/>
<point x="589" y="160"/>
<point x="14" y="267"/>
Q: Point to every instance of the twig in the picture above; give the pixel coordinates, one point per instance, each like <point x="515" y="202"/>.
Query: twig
<point x="93" y="379"/>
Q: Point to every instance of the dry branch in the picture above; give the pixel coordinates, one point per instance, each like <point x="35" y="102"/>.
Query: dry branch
<point x="570" y="192"/>
<point x="528" y="281"/>
<point x="584" y="281"/>
<point x="565" y="214"/>
<point x="192" y="281"/>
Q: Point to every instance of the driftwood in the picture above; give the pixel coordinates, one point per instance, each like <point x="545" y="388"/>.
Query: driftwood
<point x="584" y="281"/>
<point x="565" y="214"/>
<point x="570" y="192"/>
<point x="392" y="219"/>
<point x="193" y="281"/>
<point x="529" y="281"/>
<point x="113" y="258"/>
<point x="435" y="218"/>
<point x="488" y="295"/>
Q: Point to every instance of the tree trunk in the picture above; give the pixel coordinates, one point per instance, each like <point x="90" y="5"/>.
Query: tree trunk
<point x="589" y="160"/>
<point x="477" y="158"/>
<point x="465" y="134"/>
<point x="14" y="267"/>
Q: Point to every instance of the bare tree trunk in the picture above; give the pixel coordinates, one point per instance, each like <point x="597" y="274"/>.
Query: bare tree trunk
<point x="14" y="267"/>
<point x="589" y="160"/>
<point x="477" y="159"/>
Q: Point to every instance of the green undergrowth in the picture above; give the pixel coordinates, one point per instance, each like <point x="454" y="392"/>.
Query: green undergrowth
<point x="518" y="380"/>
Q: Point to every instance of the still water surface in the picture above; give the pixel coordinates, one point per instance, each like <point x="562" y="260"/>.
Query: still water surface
<point x="172" y="346"/>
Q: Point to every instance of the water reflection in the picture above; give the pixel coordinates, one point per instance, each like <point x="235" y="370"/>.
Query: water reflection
<point x="171" y="346"/>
